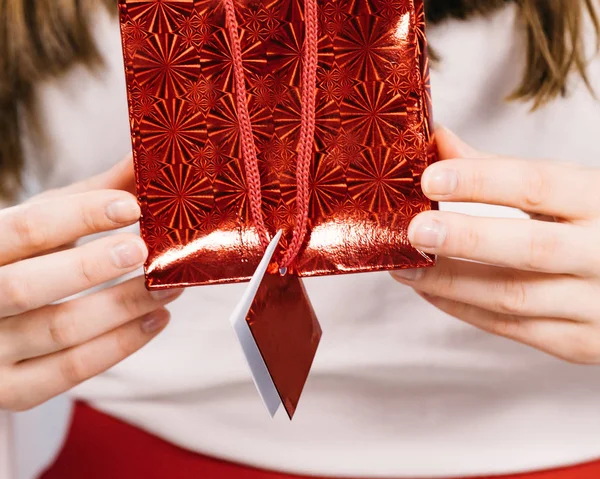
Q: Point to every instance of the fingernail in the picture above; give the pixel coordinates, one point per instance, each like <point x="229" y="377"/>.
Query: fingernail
<point x="163" y="294"/>
<point x="428" y="234"/>
<point x="439" y="181"/>
<point x="408" y="274"/>
<point x="123" y="211"/>
<point x="154" y="322"/>
<point x="128" y="254"/>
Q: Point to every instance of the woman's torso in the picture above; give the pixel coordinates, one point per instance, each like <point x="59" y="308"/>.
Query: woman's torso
<point x="398" y="388"/>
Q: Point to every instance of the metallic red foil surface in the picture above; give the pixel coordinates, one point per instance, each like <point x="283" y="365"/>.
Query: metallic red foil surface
<point x="287" y="333"/>
<point x="373" y="138"/>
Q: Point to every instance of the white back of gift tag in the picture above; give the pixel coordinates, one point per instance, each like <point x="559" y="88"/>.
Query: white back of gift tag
<point x="258" y="369"/>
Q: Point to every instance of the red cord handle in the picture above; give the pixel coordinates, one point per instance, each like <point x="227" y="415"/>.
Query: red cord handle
<point x="307" y="129"/>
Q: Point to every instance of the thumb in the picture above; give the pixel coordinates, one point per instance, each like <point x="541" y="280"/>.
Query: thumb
<point x="119" y="177"/>
<point x="451" y="146"/>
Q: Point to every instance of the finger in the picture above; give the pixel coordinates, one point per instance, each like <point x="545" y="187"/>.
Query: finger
<point x="32" y="382"/>
<point x="506" y="291"/>
<point x="550" y="189"/>
<point x="563" y="339"/>
<point x="119" y="177"/>
<point x="451" y="146"/>
<point x="36" y="282"/>
<point x="519" y="244"/>
<point x="62" y="326"/>
<point x="546" y="218"/>
<point x="34" y="228"/>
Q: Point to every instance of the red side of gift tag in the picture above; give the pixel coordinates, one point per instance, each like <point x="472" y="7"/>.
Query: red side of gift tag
<point x="278" y="331"/>
<point x="287" y="333"/>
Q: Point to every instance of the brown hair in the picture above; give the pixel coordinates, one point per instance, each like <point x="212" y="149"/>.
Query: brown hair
<point x="555" y="40"/>
<point x="41" y="39"/>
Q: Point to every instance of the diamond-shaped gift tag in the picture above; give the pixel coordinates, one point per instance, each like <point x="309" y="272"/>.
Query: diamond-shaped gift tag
<point x="279" y="334"/>
<point x="287" y="333"/>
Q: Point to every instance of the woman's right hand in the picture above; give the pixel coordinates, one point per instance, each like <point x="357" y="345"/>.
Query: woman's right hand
<point x="47" y="347"/>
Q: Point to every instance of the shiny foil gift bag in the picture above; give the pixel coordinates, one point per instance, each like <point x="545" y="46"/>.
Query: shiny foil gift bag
<point x="250" y="117"/>
<point x="372" y="141"/>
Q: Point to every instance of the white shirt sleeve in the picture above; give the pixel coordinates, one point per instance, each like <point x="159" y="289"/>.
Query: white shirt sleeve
<point x="6" y="446"/>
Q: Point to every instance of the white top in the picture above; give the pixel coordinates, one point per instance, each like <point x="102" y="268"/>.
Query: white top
<point x="398" y="388"/>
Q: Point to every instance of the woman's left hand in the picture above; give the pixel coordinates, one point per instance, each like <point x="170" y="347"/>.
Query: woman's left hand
<point x="536" y="281"/>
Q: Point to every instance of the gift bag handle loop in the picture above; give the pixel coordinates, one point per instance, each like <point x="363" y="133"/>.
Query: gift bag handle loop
<point x="310" y="60"/>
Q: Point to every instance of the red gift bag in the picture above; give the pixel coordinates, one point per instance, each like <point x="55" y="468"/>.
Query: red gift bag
<point x="372" y="134"/>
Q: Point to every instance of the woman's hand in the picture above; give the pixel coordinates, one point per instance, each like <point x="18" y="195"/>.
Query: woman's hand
<point x="540" y="284"/>
<point x="46" y="348"/>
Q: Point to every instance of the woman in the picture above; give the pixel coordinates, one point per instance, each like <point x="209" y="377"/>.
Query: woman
<point x="399" y="389"/>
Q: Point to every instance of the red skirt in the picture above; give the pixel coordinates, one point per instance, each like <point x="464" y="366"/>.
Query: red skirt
<point x="101" y="447"/>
